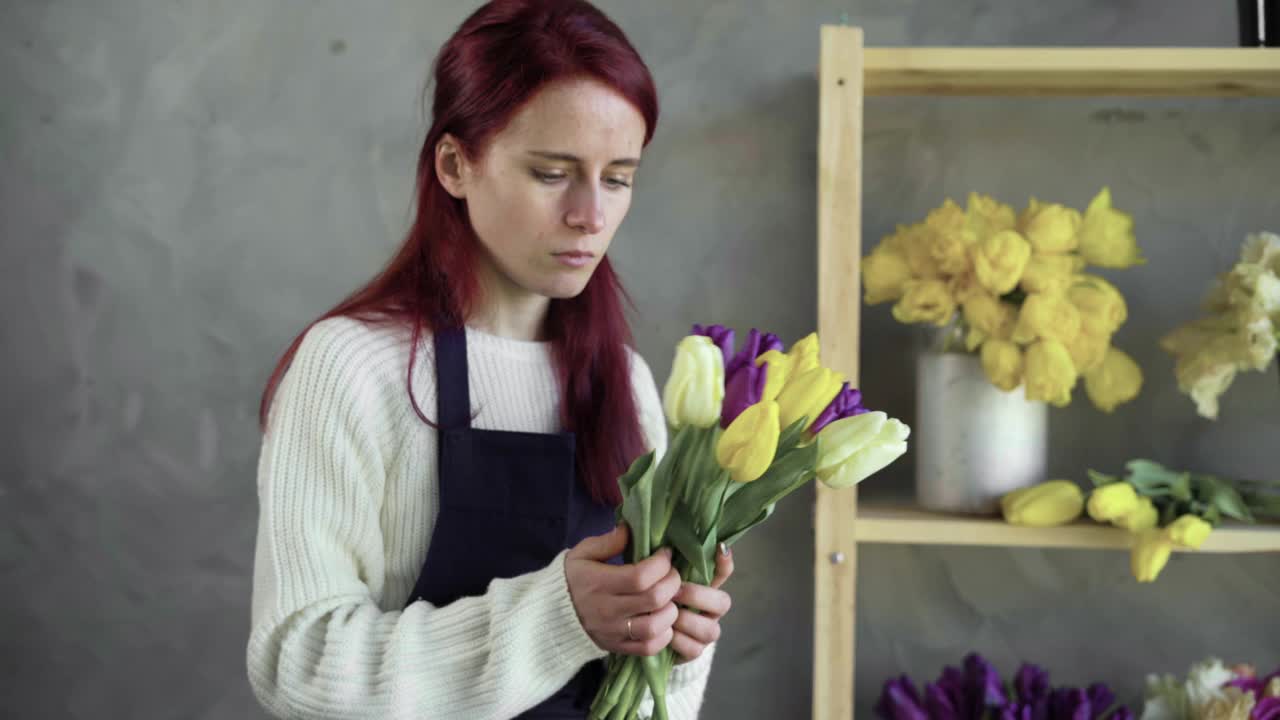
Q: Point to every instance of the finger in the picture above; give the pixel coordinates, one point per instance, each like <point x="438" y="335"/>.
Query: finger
<point x="602" y="547"/>
<point x="649" y="647"/>
<point x="705" y="600"/>
<point x="702" y="628"/>
<point x="638" y="577"/>
<point x="724" y="565"/>
<point x="653" y="625"/>
<point x="685" y="647"/>
<point x="656" y="597"/>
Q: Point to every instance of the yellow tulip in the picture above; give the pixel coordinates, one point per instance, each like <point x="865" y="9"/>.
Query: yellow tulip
<point x="808" y="394"/>
<point x="1189" y="531"/>
<point x="999" y="259"/>
<point x="1047" y="316"/>
<point x="925" y="301"/>
<point x="1049" y="273"/>
<point x="884" y="272"/>
<point x="779" y="367"/>
<point x="986" y="216"/>
<point x="804" y="355"/>
<point x="1049" y="374"/>
<point x="1056" y="502"/>
<point x="852" y="449"/>
<point x="1102" y="307"/>
<point x="1106" y="235"/>
<point x="747" y="446"/>
<point x="695" y="389"/>
<point x="1088" y="350"/>
<point x="964" y="286"/>
<point x="1150" y="553"/>
<point x="1111" y="501"/>
<point x="914" y="242"/>
<point x="994" y="317"/>
<point x="1002" y="363"/>
<point x="1117" y="380"/>
<point x="1142" y="517"/>
<point x="1050" y="227"/>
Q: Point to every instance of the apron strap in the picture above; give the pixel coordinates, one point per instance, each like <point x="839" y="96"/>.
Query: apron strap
<point x="453" y="396"/>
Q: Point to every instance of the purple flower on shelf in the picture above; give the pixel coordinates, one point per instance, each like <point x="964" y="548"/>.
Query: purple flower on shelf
<point x="1101" y="698"/>
<point x="983" y="686"/>
<point x="1069" y="704"/>
<point x="1266" y="709"/>
<point x="721" y="336"/>
<point x="899" y="700"/>
<point x="846" y="403"/>
<point x="939" y="703"/>
<point x="1031" y="683"/>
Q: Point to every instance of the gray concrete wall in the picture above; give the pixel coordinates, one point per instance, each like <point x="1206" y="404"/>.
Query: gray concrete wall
<point x="184" y="185"/>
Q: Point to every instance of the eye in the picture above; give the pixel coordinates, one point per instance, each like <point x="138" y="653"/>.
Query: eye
<point x="546" y="176"/>
<point x="617" y="182"/>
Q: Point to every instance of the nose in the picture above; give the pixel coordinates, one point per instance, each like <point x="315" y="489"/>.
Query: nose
<point x="586" y="210"/>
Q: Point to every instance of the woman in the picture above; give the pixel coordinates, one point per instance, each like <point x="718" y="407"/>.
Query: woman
<point x="464" y="561"/>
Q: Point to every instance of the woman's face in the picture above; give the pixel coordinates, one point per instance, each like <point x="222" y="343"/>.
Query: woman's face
<point x="550" y="190"/>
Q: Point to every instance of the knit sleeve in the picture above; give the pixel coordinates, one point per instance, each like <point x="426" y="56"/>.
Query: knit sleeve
<point x="320" y="644"/>
<point x="688" y="681"/>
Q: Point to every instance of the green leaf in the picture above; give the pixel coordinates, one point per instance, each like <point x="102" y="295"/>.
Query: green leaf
<point x="637" y="507"/>
<point x="668" y="480"/>
<point x="697" y="552"/>
<point x="1211" y="515"/>
<point x="1229" y="502"/>
<point x="786" y="475"/>
<point x="1100" y="479"/>
<point x="736" y="535"/>
<point x="1181" y="487"/>
<point x="790" y="437"/>
<point x="1147" y="475"/>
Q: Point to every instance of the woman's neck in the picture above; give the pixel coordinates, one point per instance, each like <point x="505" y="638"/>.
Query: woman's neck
<point x="508" y="310"/>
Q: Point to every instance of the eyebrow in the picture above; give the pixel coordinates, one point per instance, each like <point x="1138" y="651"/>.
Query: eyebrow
<point x="567" y="157"/>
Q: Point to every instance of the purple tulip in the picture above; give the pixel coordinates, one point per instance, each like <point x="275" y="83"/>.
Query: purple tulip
<point x="769" y="342"/>
<point x="1121" y="713"/>
<point x="939" y="704"/>
<point x="1100" y="699"/>
<point x="982" y="685"/>
<point x="720" y="335"/>
<point x="846" y="403"/>
<point x="1069" y="704"/>
<point x="742" y="390"/>
<point x="1266" y="709"/>
<point x="747" y="354"/>
<point x="1031" y="683"/>
<point x="900" y="701"/>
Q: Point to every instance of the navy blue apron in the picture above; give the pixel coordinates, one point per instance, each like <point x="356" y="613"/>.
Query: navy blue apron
<point x="509" y="503"/>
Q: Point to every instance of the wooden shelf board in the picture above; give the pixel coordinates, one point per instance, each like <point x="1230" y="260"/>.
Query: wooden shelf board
<point x="1132" y="71"/>
<point x="905" y="525"/>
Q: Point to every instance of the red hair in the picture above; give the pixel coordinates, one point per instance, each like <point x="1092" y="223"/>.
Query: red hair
<point x="494" y="63"/>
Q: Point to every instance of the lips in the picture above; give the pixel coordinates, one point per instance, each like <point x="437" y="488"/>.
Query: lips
<point x="575" y="254"/>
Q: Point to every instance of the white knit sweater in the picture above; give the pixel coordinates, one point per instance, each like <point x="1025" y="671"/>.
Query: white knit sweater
<point x="348" y="493"/>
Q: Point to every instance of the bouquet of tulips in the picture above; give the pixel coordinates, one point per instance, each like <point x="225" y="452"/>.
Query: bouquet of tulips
<point x="1213" y="691"/>
<point x="976" y="692"/>
<point x="1161" y="508"/>
<point x="748" y="426"/>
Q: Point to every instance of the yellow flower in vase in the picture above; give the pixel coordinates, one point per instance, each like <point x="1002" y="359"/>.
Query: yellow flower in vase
<point x="1117" y="380"/>
<point x="1088" y="350"/>
<point x="999" y="259"/>
<point x="1106" y="235"/>
<point x="1050" y="227"/>
<point x="1050" y="375"/>
<point x="1050" y="273"/>
<point x="925" y="301"/>
<point x="1047" y="316"/>
<point x="1002" y="363"/>
<point x="1102" y="307"/>
<point x="885" y="272"/>
<point x="986" y="216"/>
<point x="990" y="315"/>
<point x="915" y="244"/>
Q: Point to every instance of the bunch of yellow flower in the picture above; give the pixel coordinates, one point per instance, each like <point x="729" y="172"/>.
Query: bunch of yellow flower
<point x="1016" y="284"/>
<point x="1240" y="331"/>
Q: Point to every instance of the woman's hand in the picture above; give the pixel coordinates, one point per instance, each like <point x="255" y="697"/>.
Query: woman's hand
<point x="625" y="609"/>
<point x="701" y="607"/>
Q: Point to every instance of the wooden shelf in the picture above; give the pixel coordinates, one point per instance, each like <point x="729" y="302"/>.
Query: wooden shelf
<point x="902" y="524"/>
<point x="1231" y="72"/>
